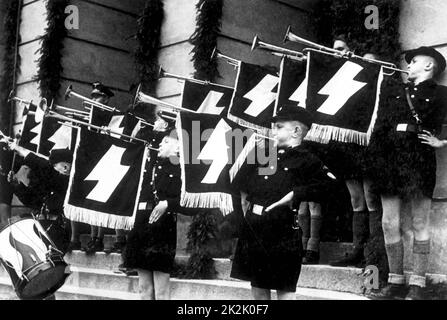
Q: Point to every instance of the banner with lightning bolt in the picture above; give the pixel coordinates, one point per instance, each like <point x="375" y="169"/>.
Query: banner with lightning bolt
<point x="105" y="181"/>
<point x="32" y="119"/>
<point x="56" y="136"/>
<point x="292" y="83"/>
<point x="212" y="151"/>
<point x="206" y="98"/>
<point x="255" y="93"/>
<point x="343" y="95"/>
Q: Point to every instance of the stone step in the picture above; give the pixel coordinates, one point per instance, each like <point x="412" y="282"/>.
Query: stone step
<point x="181" y="289"/>
<point x="97" y="271"/>
<point x="328" y="250"/>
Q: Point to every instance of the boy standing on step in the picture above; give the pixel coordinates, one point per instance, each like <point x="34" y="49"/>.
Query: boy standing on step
<point x="405" y="166"/>
<point x="269" y="250"/>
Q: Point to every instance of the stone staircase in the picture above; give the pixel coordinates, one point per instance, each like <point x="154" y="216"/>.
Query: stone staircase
<point x="95" y="278"/>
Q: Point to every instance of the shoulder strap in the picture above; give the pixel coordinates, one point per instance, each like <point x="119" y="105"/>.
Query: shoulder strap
<point x="410" y="104"/>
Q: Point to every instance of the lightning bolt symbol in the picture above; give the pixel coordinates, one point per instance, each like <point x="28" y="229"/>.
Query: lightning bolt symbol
<point x="115" y="125"/>
<point x="109" y="173"/>
<point x="216" y="150"/>
<point x="300" y="94"/>
<point x="262" y="95"/>
<point x="340" y="88"/>
<point x="61" y="138"/>
<point x="38" y="118"/>
<point x="209" y="105"/>
<point x="37" y="129"/>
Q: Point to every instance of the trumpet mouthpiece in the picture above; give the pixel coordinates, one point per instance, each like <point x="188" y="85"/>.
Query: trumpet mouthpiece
<point x="255" y="43"/>
<point x="286" y="37"/>
<point x="68" y="92"/>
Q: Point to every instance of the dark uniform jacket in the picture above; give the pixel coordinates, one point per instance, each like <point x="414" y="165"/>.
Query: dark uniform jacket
<point x="269" y="248"/>
<point x="152" y="246"/>
<point x="401" y="165"/>
<point x="5" y="187"/>
<point x="47" y="186"/>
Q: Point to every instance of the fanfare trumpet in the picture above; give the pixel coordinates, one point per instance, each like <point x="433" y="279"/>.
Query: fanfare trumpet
<point x="144" y="98"/>
<point x="64" y="119"/>
<point x="43" y="105"/>
<point x="275" y="50"/>
<point x="70" y="93"/>
<point x="163" y="74"/>
<point x="290" y="36"/>
<point x="232" y="61"/>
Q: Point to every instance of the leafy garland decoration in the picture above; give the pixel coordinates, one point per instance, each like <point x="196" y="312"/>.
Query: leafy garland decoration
<point x="201" y="231"/>
<point x="50" y="68"/>
<point x="204" y="38"/>
<point x="9" y="40"/>
<point x="148" y="44"/>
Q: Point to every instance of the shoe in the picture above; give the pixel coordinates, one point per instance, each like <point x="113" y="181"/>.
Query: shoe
<point x="311" y="257"/>
<point x="117" y="247"/>
<point x="390" y="292"/>
<point x="415" y="293"/>
<point x="74" y="245"/>
<point x="94" y="245"/>
<point x="354" y="259"/>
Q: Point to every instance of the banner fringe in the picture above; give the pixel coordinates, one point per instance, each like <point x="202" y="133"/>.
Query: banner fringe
<point x="325" y="134"/>
<point x="210" y="200"/>
<point x="98" y="219"/>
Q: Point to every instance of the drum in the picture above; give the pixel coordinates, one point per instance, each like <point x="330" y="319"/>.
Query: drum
<point x="35" y="265"/>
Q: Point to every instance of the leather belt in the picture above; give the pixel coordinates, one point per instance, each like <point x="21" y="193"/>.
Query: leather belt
<point x="48" y="216"/>
<point x="408" y="127"/>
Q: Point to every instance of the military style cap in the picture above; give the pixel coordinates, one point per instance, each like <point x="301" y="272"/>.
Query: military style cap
<point x="427" y="51"/>
<point x="292" y="112"/>
<point x="61" y="155"/>
<point x="99" y="89"/>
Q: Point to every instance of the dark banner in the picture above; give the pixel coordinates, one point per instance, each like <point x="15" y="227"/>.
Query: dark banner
<point x="254" y="96"/>
<point x="292" y="84"/>
<point x="105" y="181"/>
<point x="206" y="98"/>
<point x="343" y="96"/>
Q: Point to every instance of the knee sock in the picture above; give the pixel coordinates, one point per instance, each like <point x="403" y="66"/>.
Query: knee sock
<point x="395" y="253"/>
<point x="304" y="222"/>
<point x="421" y="251"/>
<point x="315" y="226"/>
<point x="375" y="223"/>
<point x="360" y="228"/>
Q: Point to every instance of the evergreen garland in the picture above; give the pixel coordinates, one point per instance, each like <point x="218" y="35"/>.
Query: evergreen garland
<point x="148" y="38"/>
<point x="50" y="68"/>
<point x="9" y="36"/>
<point x="204" y="38"/>
<point x="201" y="231"/>
<point x="347" y="17"/>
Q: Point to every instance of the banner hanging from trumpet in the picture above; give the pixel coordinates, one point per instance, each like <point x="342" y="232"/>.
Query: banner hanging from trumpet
<point x="55" y="135"/>
<point x="292" y="83"/>
<point x="30" y="133"/>
<point x="343" y="95"/>
<point x="254" y="97"/>
<point x="105" y="181"/>
<point x="206" y="98"/>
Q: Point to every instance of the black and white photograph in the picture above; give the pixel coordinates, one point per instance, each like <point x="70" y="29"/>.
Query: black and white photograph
<point x="238" y="151"/>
